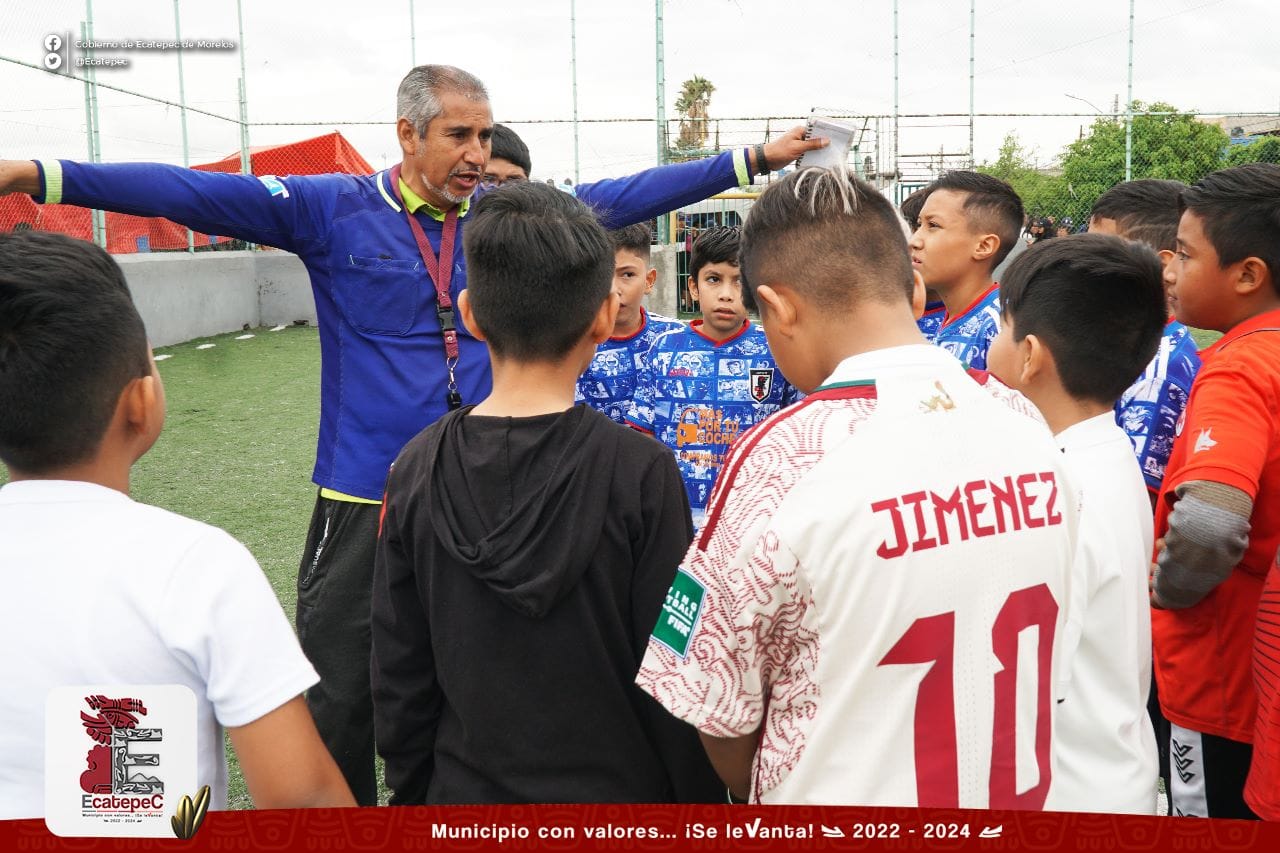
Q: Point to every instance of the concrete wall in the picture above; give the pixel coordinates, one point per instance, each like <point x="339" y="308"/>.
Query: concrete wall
<point x="663" y="299"/>
<point x="182" y="296"/>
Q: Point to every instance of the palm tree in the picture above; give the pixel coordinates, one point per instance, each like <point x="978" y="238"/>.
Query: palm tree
<point x="693" y="104"/>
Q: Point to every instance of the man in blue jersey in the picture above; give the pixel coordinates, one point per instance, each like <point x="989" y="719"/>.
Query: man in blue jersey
<point x="1147" y="211"/>
<point x="707" y="383"/>
<point x="968" y="224"/>
<point x="610" y="380"/>
<point x="384" y="253"/>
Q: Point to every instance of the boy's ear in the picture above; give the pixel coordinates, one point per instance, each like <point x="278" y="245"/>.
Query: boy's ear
<point x="918" y="297"/>
<point x="602" y="326"/>
<point x="986" y="247"/>
<point x="692" y="287"/>
<point x="649" y="279"/>
<point x="468" y="318"/>
<point x="1166" y="256"/>
<point x="779" y="303"/>
<point x="1252" y="276"/>
<point x="141" y="410"/>
<point x="1034" y="360"/>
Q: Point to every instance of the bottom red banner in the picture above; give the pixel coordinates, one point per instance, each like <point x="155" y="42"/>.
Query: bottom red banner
<point x="653" y="827"/>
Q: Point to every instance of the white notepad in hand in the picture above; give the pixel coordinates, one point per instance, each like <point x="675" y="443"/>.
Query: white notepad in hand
<point x="836" y="154"/>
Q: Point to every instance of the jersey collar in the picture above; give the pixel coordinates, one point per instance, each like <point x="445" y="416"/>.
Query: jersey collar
<point x="1266" y="321"/>
<point x="947" y="319"/>
<point x="413" y="201"/>
<point x="696" y="327"/>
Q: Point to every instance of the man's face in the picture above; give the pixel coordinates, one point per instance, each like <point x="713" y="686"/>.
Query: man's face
<point x="632" y="280"/>
<point x="1200" y="291"/>
<point x="500" y="171"/>
<point x="718" y="290"/>
<point x="451" y="156"/>
<point x="942" y="247"/>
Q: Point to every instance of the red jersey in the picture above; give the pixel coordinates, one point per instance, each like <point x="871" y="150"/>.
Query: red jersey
<point x="1230" y="434"/>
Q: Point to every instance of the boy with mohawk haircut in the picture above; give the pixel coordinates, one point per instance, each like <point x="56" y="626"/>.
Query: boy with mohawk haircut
<point x="843" y="606"/>
<point x="968" y="225"/>
<point x="610" y="381"/>
<point x="1148" y="411"/>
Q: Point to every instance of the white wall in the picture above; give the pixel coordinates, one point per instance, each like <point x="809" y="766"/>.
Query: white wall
<point x="182" y="296"/>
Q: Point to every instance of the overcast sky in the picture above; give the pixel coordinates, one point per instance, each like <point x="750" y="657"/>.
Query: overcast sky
<point x="324" y="63"/>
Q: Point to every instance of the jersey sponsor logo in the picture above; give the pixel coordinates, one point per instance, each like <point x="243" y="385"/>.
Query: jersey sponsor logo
<point x="975" y="509"/>
<point x="274" y="185"/>
<point x="761" y="383"/>
<point x="1204" y="441"/>
<point x="680" y="613"/>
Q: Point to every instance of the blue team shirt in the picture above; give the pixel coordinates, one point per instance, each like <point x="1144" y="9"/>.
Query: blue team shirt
<point x="968" y="336"/>
<point x="696" y="396"/>
<point x="931" y="320"/>
<point x="1148" y="412"/>
<point x="610" y="381"/>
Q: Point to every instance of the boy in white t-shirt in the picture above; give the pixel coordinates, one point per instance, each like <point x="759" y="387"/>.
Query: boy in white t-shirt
<point x="1082" y="317"/>
<point x="856" y="623"/>
<point x="102" y="590"/>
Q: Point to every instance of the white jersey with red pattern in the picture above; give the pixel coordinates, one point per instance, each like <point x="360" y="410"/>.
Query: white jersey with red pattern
<point x="893" y="624"/>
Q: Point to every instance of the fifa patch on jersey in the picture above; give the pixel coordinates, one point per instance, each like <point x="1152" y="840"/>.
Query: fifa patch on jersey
<point x="274" y="185"/>
<point x="761" y="383"/>
<point x="680" y="613"/>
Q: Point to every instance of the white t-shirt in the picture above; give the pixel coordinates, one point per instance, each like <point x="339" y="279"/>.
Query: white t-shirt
<point x="1107" y="759"/>
<point x="99" y="589"/>
<point x="880" y="583"/>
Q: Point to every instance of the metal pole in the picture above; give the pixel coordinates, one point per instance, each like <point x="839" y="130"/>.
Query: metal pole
<point x="973" y="161"/>
<point x="573" y="54"/>
<point x="894" y="164"/>
<point x="99" y="218"/>
<point x="1128" y="107"/>
<point x="246" y="167"/>
<point x="661" y="86"/>
<point x="182" y="109"/>
<point x="413" y="39"/>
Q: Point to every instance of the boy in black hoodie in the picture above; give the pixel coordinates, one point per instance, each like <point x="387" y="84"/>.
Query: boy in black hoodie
<point x="527" y="545"/>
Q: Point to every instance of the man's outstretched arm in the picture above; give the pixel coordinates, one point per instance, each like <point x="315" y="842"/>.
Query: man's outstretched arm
<point x="19" y="176"/>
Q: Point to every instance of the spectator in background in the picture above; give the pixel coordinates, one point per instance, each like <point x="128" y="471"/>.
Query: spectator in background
<point x="566" y="186"/>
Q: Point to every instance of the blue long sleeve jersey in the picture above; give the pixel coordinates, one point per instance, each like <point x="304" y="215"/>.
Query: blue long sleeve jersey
<point x="383" y="376"/>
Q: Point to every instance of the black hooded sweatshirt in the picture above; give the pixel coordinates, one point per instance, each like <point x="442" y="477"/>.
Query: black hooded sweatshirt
<point x="521" y="566"/>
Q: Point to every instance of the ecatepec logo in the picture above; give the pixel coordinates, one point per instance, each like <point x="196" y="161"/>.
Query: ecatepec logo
<point x="115" y="768"/>
<point x="118" y="758"/>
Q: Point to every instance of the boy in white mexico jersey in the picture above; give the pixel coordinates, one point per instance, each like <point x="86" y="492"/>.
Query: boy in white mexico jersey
<point x="857" y="624"/>
<point x="1064" y="303"/>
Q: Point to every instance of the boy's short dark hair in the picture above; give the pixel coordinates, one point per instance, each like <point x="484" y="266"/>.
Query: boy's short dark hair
<point x="991" y="206"/>
<point x="831" y="235"/>
<point x="507" y="145"/>
<point x="538" y="267"/>
<point x="911" y="207"/>
<point x="1145" y="210"/>
<point x="635" y="239"/>
<point x="1097" y="302"/>
<point x="1240" y="207"/>
<point x="70" y="341"/>
<point x="718" y="245"/>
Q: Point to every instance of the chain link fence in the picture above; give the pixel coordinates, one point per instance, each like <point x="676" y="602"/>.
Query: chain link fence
<point x="59" y="104"/>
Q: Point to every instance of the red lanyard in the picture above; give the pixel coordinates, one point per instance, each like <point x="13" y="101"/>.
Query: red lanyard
<point x="440" y="269"/>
